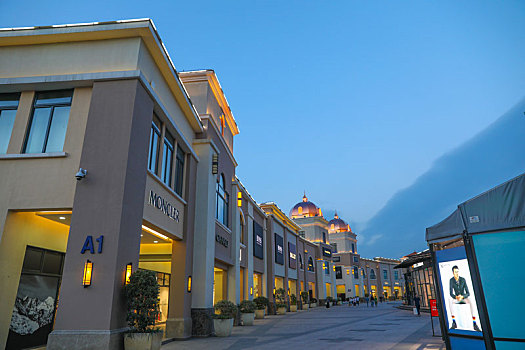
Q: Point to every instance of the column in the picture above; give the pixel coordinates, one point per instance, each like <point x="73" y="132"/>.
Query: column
<point x="109" y="202"/>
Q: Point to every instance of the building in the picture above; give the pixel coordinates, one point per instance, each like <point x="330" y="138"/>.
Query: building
<point x="419" y="278"/>
<point x="380" y="278"/>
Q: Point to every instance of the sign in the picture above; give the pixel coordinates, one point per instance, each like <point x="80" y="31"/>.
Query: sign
<point x="88" y="245"/>
<point x="258" y="250"/>
<point x="433" y="308"/>
<point x="292" y="256"/>
<point x="327" y="252"/>
<point x="416" y="265"/>
<point x="163" y="205"/>
<point x="279" y="249"/>
<point x="221" y="240"/>
<point x="336" y="259"/>
<point x="338" y="272"/>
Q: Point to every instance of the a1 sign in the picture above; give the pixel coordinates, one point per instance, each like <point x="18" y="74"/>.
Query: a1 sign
<point x="433" y="308"/>
<point x="88" y="245"/>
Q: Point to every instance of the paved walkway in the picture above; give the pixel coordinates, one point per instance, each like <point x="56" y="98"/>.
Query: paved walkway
<point x="340" y="327"/>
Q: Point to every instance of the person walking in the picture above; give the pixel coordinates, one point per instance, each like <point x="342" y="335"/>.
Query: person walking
<point x="417" y="303"/>
<point x="367" y="299"/>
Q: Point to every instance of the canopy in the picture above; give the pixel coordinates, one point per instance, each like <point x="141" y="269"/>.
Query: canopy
<point x="500" y="208"/>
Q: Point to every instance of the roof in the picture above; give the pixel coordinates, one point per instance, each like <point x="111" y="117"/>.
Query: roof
<point x="415" y="258"/>
<point x="500" y="208"/>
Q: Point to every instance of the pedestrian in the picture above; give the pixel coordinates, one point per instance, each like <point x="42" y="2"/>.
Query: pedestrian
<point x="357" y="299"/>
<point x="367" y="299"/>
<point x="418" y="305"/>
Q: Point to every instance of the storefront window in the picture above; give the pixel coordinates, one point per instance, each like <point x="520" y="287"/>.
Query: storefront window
<point x="47" y="129"/>
<point x="8" y="108"/>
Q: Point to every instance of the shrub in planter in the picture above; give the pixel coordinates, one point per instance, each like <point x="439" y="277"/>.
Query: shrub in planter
<point x="260" y="304"/>
<point x="247" y="308"/>
<point x="293" y="303"/>
<point x="280" y="301"/>
<point x="304" y="297"/>
<point x="313" y="302"/>
<point x="142" y="295"/>
<point x="223" y="318"/>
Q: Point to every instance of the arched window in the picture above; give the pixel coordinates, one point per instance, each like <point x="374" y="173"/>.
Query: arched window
<point x="311" y="264"/>
<point x="223" y="198"/>
<point x="372" y="274"/>
<point x="300" y="210"/>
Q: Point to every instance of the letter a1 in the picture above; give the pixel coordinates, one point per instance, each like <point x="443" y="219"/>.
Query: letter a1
<point x="88" y="245"/>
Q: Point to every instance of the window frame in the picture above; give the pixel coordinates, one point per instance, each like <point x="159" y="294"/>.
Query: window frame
<point x="36" y="106"/>
<point x="222" y="198"/>
<point x="167" y="162"/>
<point x="9" y="108"/>
<point x="154" y="130"/>
<point x="180" y="162"/>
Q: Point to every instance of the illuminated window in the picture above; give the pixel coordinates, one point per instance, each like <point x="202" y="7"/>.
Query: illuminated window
<point x="332" y="226"/>
<point x="311" y="264"/>
<point x="300" y="210"/>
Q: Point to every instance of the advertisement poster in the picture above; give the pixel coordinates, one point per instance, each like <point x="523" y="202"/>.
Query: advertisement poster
<point x="459" y="297"/>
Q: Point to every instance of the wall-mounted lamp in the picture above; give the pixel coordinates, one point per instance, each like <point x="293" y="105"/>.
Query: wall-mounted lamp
<point x="81" y="174"/>
<point x="289" y="292"/>
<point x="274" y="291"/>
<point x="189" y="284"/>
<point x="128" y="272"/>
<point x="251" y="290"/>
<point x="334" y="268"/>
<point x="88" y="273"/>
<point x="215" y="164"/>
<point x="239" y="199"/>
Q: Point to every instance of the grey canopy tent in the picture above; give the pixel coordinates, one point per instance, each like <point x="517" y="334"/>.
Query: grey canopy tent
<point x="500" y="208"/>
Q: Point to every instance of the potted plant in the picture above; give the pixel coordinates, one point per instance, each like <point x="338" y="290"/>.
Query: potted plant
<point x="223" y="318"/>
<point x="247" y="308"/>
<point x="293" y="303"/>
<point x="142" y="294"/>
<point x="313" y="302"/>
<point x="280" y="301"/>
<point x="304" y="297"/>
<point x="339" y="301"/>
<point x="260" y="306"/>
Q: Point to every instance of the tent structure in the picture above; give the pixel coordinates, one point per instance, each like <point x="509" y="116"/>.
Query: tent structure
<point x="500" y="208"/>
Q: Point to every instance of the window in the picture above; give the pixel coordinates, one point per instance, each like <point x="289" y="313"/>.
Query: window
<point x="326" y="267"/>
<point x="300" y="210"/>
<point x="356" y="259"/>
<point x="353" y="248"/>
<point x="167" y="159"/>
<point x="385" y="274"/>
<point x="310" y="264"/>
<point x="222" y="202"/>
<point x="335" y="247"/>
<point x="372" y="274"/>
<point x="154" y="144"/>
<point x="301" y="265"/>
<point x="8" y="107"/>
<point x="47" y="129"/>
<point x="355" y="271"/>
<point x="179" y="171"/>
<point x="396" y="275"/>
<point x="324" y="237"/>
<point x="338" y="272"/>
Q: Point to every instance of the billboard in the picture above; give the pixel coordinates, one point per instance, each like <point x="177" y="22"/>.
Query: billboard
<point x="258" y="251"/>
<point x="292" y="256"/>
<point x="279" y="249"/>
<point x="461" y="311"/>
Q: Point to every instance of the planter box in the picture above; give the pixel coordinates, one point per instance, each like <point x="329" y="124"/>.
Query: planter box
<point x="247" y="318"/>
<point x="313" y="305"/>
<point x="339" y="303"/>
<point x="305" y="306"/>
<point x="142" y="341"/>
<point x="281" y="311"/>
<point x="293" y="308"/>
<point x="259" y="314"/>
<point x="223" y="327"/>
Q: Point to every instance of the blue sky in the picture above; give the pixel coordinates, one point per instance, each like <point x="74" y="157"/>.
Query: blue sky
<point x="349" y="100"/>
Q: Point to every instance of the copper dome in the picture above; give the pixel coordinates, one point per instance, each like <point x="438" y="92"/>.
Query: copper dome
<point x="305" y="209"/>
<point x="338" y="225"/>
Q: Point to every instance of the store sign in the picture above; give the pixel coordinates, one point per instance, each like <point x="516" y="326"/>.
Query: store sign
<point x="433" y="308"/>
<point x="327" y="252"/>
<point x="163" y="205"/>
<point x="336" y="259"/>
<point x="258" y="250"/>
<point x="416" y="265"/>
<point x="279" y="249"/>
<point x="221" y="240"/>
<point x="292" y="256"/>
<point x="88" y="245"/>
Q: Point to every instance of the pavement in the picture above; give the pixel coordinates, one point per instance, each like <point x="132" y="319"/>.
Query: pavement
<point x="339" y="327"/>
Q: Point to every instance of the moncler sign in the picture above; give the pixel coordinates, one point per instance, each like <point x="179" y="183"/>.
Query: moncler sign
<point x="160" y="203"/>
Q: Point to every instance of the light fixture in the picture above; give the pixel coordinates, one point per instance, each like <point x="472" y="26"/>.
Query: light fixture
<point x="334" y="268"/>
<point x="88" y="273"/>
<point x="251" y="290"/>
<point x="128" y="272"/>
<point x="215" y="164"/>
<point x="274" y="291"/>
<point x="81" y="174"/>
<point x="239" y="199"/>
<point x="62" y="218"/>
<point x="155" y="233"/>
<point x="189" y="284"/>
<point x="155" y="241"/>
<point x="289" y="292"/>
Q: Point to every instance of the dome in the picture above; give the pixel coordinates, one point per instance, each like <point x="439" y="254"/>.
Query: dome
<point x="338" y="225"/>
<point x="305" y="209"/>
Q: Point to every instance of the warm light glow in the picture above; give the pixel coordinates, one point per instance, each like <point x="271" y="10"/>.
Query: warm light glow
<point x="239" y="199"/>
<point x="334" y="268"/>
<point x="300" y="210"/>
<point x="189" y="284"/>
<point x="274" y="291"/>
<point x="128" y="272"/>
<point x="62" y="218"/>
<point x="51" y="212"/>
<point x="88" y="273"/>
<point x="155" y="233"/>
<point x="289" y="292"/>
<point x="251" y="290"/>
<point x="155" y="241"/>
<point x="347" y="271"/>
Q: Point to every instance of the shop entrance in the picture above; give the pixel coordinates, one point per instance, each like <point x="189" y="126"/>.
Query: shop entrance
<point x="36" y="299"/>
<point x="219" y="285"/>
<point x="341" y="291"/>
<point x="257" y="285"/>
